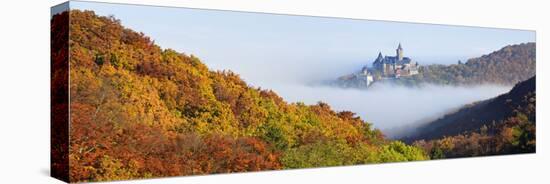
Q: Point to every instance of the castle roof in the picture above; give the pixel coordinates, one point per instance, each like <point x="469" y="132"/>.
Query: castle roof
<point x="394" y="60"/>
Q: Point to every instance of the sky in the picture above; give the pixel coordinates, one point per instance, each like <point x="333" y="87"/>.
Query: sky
<point x="292" y="54"/>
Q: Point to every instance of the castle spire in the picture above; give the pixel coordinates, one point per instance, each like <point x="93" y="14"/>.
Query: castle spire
<point x="399" y="52"/>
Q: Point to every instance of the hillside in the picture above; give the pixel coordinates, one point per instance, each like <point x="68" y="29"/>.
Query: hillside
<point x="521" y="99"/>
<point x="505" y="124"/>
<point x="507" y="66"/>
<point x="140" y="111"/>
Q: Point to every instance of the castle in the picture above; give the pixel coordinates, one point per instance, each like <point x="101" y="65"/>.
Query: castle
<point x="394" y="66"/>
<point x="385" y="67"/>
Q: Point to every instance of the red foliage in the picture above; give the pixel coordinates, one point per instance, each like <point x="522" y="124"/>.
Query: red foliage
<point x="59" y="96"/>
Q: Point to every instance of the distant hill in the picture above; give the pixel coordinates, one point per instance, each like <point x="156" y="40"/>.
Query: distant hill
<point x="521" y="99"/>
<point x="507" y="66"/>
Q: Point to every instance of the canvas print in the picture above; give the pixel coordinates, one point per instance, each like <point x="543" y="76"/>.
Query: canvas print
<point x="147" y="91"/>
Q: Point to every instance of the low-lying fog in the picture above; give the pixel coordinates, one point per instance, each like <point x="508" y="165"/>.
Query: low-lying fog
<point x="390" y="107"/>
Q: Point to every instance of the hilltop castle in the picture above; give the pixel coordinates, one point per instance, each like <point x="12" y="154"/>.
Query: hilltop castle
<point x="384" y="67"/>
<point x="393" y="66"/>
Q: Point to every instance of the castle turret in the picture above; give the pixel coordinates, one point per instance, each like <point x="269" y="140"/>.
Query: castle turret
<point x="379" y="56"/>
<point x="378" y="63"/>
<point x="399" y="52"/>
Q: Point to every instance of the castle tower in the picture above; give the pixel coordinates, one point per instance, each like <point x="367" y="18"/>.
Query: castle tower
<point x="399" y="52"/>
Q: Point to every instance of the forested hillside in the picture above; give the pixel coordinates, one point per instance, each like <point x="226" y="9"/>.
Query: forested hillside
<point x="506" y="66"/>
<point x="503" y="125"/>
<point x="140" y="111"/>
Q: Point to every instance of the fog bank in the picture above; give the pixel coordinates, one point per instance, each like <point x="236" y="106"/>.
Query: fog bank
<point x="388" y="106"/>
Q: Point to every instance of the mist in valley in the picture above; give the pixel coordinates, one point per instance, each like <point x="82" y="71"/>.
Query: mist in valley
<point x="393" y="109"/>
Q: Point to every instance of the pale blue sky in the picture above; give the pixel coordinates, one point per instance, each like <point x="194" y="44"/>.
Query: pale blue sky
<point x="250" y="43"/>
